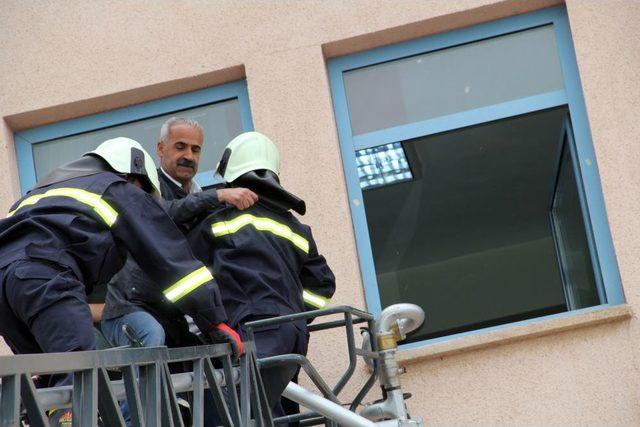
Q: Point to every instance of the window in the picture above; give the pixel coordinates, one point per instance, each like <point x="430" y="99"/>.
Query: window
<point x="472" y="176"/>
<point x="223" y="112"/>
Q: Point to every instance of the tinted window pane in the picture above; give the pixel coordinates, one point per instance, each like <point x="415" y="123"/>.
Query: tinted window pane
<point x="469" y="237"/>
<point x="453" y="80"/>
<point x="573" y="248"/>
<point x="221" y="122"/>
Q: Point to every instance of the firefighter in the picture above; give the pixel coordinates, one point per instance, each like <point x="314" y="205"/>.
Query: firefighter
<point x="71" y="233"/>
<point x="265" y="260"/>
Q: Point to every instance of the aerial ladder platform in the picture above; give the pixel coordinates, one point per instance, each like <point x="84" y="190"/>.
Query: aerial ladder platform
<point x="158" y="397"/>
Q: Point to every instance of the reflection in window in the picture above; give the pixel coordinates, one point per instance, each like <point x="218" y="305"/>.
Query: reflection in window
<point x="385" y="164"/>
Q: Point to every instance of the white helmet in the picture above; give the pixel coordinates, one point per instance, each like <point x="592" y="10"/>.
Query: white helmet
<point x="248" y="152"/>
<point x="127" y="156"/>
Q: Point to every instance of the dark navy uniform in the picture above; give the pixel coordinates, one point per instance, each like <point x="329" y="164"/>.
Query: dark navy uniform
<point x="266" y="264"/>
<point x="62" y="239"/>
<point x="132" y="290"/>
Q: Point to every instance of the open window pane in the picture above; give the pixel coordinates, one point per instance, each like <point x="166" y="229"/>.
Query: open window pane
<point x="469" y="237"/>
<point x="221" y="122"/>
<point x="451" y="80"/>
<point x="571" y="237"/>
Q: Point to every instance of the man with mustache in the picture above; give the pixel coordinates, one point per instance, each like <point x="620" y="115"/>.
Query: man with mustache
<point x="179" y="150"/>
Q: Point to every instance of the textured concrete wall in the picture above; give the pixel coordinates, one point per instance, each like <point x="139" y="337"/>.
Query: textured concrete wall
<point x="59" y="61"/>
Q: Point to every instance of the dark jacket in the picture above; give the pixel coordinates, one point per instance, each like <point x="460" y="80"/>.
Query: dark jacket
<point x="266" y="262"/>
<point x="88" y="224"/>
<point x="185" y="209"/>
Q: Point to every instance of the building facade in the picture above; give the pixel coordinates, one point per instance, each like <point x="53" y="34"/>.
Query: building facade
<point x="475" y="157"/>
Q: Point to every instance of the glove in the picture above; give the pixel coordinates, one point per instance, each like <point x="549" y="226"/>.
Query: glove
<point x="222" y="333"/>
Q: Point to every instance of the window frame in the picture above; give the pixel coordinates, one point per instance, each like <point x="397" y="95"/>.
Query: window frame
<point x="25" y="140"/>
<point x="591" y="192"/>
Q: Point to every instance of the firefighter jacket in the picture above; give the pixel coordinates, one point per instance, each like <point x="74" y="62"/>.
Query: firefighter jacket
<point x="131" y="289"/>
<point x="88" y="223"/>
<point x="265" y="261"/>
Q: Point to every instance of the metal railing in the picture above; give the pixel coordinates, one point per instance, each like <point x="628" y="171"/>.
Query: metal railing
<point x="147" y="384"/>
<point x="236" y="393"/>
<point x="350" y="317"/>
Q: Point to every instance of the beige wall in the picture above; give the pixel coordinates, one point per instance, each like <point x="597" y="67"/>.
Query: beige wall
<point x="58" y="62"/>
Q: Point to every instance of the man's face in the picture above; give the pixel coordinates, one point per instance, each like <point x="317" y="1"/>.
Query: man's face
<point x="180" y="155"/>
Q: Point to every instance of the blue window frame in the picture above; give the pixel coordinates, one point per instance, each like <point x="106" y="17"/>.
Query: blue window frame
<point x="357" y="137"/>
<point x="37" y="152"/>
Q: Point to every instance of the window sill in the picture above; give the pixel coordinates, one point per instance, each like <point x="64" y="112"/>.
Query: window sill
<point x="532" y="329"/>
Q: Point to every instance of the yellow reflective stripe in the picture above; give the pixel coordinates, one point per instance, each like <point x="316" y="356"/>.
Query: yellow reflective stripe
<point x="102" y="208"/>
<point x="314" y="300"/>
<point x="187" y="284"/>
<point x="229" y="227"/>
<point x="263" y="224"/>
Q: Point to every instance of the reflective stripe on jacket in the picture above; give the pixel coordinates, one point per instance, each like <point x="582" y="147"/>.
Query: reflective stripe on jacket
<point x="267" y="263"/>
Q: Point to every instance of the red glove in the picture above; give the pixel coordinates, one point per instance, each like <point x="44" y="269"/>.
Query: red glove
<point x="222" y="333"/>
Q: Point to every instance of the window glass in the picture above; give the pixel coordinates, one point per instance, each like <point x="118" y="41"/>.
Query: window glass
<point x="221" y="122"/>
<point x="572" y="243"/>
<point x="469" y="238"/>
<point x="456" y="79"/>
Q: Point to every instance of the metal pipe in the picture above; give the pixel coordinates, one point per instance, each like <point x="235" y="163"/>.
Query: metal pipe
<point x="329" y="409"/>
<point x="60" y="397"/>
<point x="389" y="408"/>
<point x="409" y="317"/>
<point x="302" y="361"/>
